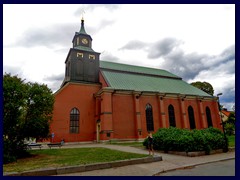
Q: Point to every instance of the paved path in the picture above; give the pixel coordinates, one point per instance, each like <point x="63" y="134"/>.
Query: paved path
<point x="169" y="162"/>
<point x="221" y="168"/>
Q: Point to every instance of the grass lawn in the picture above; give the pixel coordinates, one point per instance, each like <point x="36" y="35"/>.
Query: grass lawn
<point x="231" y="141"/>
<point x="67" y="157"/>
<point x="133" y="144"/>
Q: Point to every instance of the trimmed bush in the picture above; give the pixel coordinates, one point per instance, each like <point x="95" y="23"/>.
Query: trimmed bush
<point x="175" y="139"/>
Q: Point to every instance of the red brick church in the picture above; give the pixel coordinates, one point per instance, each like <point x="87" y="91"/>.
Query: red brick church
<point x="100" y="100"/>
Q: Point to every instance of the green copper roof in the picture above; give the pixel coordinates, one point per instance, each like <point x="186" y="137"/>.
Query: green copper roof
<point x="84" y="48"/>
<point x="82" y="30"/>
<point x="127" y="77"/>
<point x="136" y="69"/>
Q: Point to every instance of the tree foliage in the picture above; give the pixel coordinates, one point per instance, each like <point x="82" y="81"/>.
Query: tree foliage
<point x="230" y="124"/>
<point x="14" y="95"/>
<point x="231" y="118"/>
<point x="27" y="112"/>
<point x="205" y="86"/>
<point x="38" y="111"/>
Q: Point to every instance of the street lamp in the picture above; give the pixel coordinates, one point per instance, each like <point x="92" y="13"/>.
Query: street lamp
<point x="224" y="134"/>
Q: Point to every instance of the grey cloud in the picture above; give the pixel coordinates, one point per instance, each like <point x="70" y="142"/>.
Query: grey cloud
<point x="228" y="94"/>
<point x="13" y="70"/>
<point x="58" y="77"/>
<point x="221" y="66"/>
<point x="224" y="62"/>
<point x="106" y="22"/>
<point x="217" y="72"/>
<point x="229" y="106"/>
<point x="229" y="53"/>
<point x="184" y="65"/>
<point x="54" y="81"/>
<point x="227" y="67"/>
<point x="55" y="35"/>
<point x="190" y="65"/>
<point x="134" y="45"/>
<point x="62" y="50"/>
<point x="163" y="47"/>
<point x="110" y="57"/>
<point x="231" y="67"/>
<point x="102" y="24"/>
<point x="155" y="50"/>
<point x="54" y="86"/>
<point x="91" y="7"/>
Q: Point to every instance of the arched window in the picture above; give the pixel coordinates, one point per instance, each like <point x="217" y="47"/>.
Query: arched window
<point x="74" y="121"/>
<point x="191" y="117"/>
<point x="209" y="117"/>
<point x="171" y="116"/>
<point x="149" y="118"/>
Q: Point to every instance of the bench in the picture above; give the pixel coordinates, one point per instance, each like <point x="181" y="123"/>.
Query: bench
<point x="33" y="145"/>
<point x="50" y="145"/>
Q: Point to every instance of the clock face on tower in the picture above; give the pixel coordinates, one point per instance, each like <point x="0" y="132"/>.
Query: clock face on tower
<point x="84" y="41"/>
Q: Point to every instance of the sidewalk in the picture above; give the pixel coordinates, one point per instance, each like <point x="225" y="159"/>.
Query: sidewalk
<point x="161" y="162"/>
<point x="169" y="162"/>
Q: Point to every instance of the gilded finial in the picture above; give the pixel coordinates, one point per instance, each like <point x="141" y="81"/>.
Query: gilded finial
<point x="82" y="30"/>
<point x="82" y="14"/>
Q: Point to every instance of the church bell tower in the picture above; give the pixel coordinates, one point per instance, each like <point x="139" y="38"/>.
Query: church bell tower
<point x="82" y="62"/>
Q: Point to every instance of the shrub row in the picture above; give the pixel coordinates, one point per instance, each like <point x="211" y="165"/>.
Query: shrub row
<point x="175" y="139"/>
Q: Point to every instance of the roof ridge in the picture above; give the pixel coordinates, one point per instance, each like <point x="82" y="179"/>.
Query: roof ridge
<point x="133" y="65"/>
<point x="139" y="73"/>
<point x="134" y="69"/>
<point x="84" y="48"/>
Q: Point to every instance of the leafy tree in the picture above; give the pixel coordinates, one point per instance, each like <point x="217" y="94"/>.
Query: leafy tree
<point x="230" y="124"/>
<point x="14" y="95"/>
<point x="231" y="118"/>
<point x="37" y="113"/>
<point x="27" y="112"/>
<point x="229" y="129"/>
<point x="205" y="86"/>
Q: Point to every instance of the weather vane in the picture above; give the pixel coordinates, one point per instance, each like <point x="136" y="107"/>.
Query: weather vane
<point x="83" y="12"/>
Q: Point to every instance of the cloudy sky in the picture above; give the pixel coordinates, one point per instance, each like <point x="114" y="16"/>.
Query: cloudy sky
<point x="195" y="42"/>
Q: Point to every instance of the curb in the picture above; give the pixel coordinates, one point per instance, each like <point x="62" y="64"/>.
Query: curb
<point x="191" y="165"/>
<point x="83" y="168"/>
<point x="199" y="153"/>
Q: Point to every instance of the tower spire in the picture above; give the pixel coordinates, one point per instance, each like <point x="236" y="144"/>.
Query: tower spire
<point x="82" y="29"/>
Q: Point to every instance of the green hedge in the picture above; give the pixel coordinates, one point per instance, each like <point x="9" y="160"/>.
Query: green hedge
<point x="175" y="139"/>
